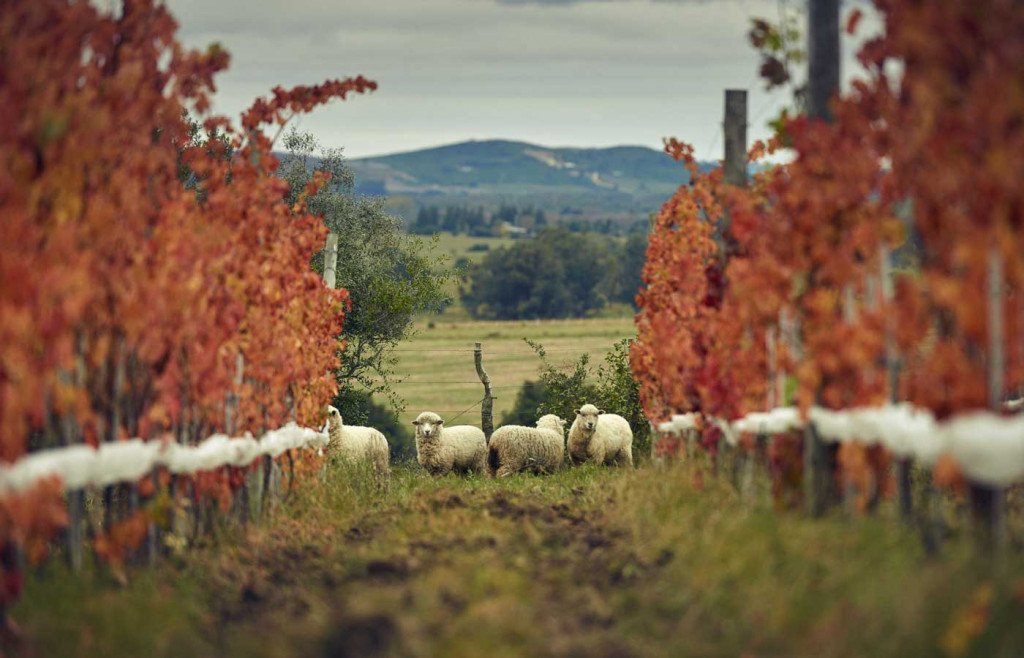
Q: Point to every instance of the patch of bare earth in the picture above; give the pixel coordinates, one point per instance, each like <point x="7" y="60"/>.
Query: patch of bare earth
<point x="508" y="570"/>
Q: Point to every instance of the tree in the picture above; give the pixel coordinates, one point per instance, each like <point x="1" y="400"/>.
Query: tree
<point x="390" y="275"/>
<point x="562" y="388"/>
<point x="427" y="222"/>
<point x="626" y="270"/>
<point x="556" y="275"/>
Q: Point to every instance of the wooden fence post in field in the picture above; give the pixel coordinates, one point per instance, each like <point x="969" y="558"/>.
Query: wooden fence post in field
<point x="487" y="407"/>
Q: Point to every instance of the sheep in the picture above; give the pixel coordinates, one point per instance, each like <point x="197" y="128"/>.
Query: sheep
<point x="600" y="437"/>
<point x="357" y="444"/>
<point x="515" y="448"/>
<point x="441" y="449"/>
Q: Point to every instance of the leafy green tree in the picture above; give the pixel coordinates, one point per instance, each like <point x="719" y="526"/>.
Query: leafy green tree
<point x="625" y="271"/>
<point x="565" y="386"/>
<point x="390" y="275"/>
<point x="428" y="221"/>
<point x="555" y="275"/>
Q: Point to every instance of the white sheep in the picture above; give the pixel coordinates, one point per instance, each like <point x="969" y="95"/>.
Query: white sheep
<point x="357" y="443"/>
<point x="600" y="437"/>
<point x="441" y="449"/>
<point x="515" y="448"/>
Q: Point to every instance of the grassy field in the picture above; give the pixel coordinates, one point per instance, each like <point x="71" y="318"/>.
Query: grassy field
<point x="657" y="561"/>
<point x="457" y="246"/>
<point x="438" y="362"/>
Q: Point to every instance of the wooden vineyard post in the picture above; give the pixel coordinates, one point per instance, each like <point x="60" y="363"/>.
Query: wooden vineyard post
<point x="734" y="169"/>
<point x="904" y="491"/>
<point x="988" y="503"/>
<point x="823" y="56"/>
<point x="230" y="415"/>
<point x="822" y="84"/>
<point x="735" y="129"/>
<point x="71" y="435"/>
<point x="772" y="397"/>
<point x="487" y="407"/>
<point x="331" y="261"/>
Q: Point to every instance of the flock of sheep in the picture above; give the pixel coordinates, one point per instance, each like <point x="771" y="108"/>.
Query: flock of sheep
<point x="595" y="436"/>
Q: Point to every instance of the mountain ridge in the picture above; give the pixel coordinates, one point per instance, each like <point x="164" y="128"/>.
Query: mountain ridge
<point x="615" y="181"/>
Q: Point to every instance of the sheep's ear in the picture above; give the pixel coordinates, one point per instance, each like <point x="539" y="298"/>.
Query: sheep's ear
<point x="576" y="411"/>
<point x="600" y="411"/>
<point x="440" y="422"/>
<point x="416" y="422"/>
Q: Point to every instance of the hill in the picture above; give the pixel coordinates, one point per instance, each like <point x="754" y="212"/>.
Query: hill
<point x="630" y="181"/>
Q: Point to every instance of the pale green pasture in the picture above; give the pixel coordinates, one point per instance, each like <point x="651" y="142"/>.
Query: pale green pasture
<point x="437" y="363"/>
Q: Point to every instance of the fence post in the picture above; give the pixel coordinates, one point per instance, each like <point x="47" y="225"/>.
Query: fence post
<point x="823" y="56"/>
<point x="486" y="409"/>
<point x="822" y="84"/>
<point x="735" y="129"/>
<point x="331" y="261"/>
<point x="230" y="422"/>
<point x="904" y="491"/>
<point x="988" y="503"/>
<point x="76" y="501"/>
<point x="769" y="346"/>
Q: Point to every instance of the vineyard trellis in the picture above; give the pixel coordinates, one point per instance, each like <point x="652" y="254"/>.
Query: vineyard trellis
<point x="131" y="298"/>
<point x="808" y="310"/>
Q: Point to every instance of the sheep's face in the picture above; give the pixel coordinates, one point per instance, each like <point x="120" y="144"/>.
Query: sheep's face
<point x="334" y="415"/>
<point x="428" y="428"/>
<point x="587" y="415"/>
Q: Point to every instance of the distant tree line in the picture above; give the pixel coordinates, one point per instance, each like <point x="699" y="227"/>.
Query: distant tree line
<point x="475" y="221"/>
<point x="558" y="274"/>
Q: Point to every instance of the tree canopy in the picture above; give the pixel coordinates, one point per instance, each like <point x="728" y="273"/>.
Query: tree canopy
<point x="558" y="274"/>
<point x="390" y="275"/>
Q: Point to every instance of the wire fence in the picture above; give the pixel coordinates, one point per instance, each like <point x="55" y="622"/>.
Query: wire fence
<point x="578" y="350"/>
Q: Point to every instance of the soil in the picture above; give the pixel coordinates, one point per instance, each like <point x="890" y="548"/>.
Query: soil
<point x="403" y="581"/>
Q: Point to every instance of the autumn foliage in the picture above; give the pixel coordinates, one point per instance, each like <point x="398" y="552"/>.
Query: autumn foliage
<point x="126" y="297"/>
<point x="924" y="151"/>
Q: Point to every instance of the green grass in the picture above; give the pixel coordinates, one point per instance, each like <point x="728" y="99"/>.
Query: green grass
<point x="444" y="353"/>
<point x="457" y="246"/>
<point x="588" y="561"/>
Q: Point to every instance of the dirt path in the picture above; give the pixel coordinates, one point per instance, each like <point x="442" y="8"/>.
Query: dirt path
<point x="451" y="573"/>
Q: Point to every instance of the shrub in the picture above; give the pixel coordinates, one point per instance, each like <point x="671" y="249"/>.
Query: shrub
<point x="562" y="388"/>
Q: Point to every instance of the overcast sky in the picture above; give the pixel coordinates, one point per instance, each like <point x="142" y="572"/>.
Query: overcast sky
<point x="551" y="72"/>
